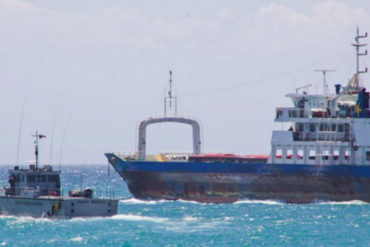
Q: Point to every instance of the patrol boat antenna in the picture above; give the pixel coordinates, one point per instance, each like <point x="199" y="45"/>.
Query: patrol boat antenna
<point x="358" y="45"/>
<point x="37" y="137"/>
<point x="324" y="78"/>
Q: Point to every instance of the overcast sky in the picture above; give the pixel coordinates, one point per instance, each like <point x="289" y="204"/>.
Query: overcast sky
<point x="97" y="68"/>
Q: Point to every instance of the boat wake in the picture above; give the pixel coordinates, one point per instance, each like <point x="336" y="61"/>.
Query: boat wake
<point x="15" y="220"/>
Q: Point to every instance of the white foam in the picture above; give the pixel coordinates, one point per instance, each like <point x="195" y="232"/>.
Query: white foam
<point x="77" y="239"/>
<point x="3" y="243"/>
<point x="133" y="217"/>
<point x="138" y="201"/>
<point x="354" y="202"/>
<point x="191" y="219"/>
<point x="267" y="202"/>
<point x="191" y="202"/>
<point x="26" y="219"/>
<point x="153" y="202"/>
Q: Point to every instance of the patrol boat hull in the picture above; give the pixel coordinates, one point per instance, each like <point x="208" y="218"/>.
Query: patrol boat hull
<point x="57" y="207"/>
<point x="229" y="182"/>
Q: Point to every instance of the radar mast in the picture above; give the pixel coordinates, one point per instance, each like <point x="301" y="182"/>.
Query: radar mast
<point x="37" y="137"/>
<point x="326" y="88"/>
<point x="358" y="45"/>
<point x="170" y="101"/>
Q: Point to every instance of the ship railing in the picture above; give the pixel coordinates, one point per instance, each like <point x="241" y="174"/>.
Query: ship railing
<point x="320" y="136"/>
<point x="126" y="156"/>
<point x="98" y="193"/>
<point x="286" y="113"/>
<point x="106" y="193"/>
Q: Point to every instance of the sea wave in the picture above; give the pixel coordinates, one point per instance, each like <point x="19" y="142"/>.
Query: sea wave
<point x="138" y="201"/>
<point x="267" y="202"/>
<point x="24" y="219"/>
<point x="153" y="202"/>
<point x="191" y="219"/>
<point x="134" y="217"/>
<point x="192" y="202"/>
<point x="354" y="202"/>
<point x="77" y="239"/>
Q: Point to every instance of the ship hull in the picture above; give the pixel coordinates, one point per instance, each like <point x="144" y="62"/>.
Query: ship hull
<point x="57" y="207"/>
<point x="229" y="182"/>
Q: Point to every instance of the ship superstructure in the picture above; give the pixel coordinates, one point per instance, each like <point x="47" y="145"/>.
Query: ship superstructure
<point x="326" y="129"/>
<point x="324" y="154"/>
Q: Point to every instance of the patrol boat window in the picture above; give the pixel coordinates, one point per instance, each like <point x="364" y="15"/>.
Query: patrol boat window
<point x="53" y="178"/>
<point x="31" y="178"/>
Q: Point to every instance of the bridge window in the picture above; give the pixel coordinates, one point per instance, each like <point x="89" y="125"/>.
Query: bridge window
<point x="340" y="128"/>
<point x="16" y="178"/>
<point x="346" y="155"/>
<point x="42" y="178"/>
<point x="312" y="155"/>
<point x="300" y="127"/>
<point x="312" y="128"/>
<point x="323" y="127"/>
<point x="368" y="155"/>
<point x="279" y="153"/>
<point x="31" y="178"/>
<point x="300" y="154"/>
<point x="336" y="155"/>
<point x="53" y="178"/>
<point x="289" y="153"/>
<point x="325" y="155"/>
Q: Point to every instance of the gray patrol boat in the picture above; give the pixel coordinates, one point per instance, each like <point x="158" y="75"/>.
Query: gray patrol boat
<point x="36" y="192"/>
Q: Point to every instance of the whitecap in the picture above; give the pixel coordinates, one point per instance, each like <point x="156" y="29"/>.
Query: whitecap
<point x="133" y="217"/>
<point x="3" y="243"/>
<point x="77" y="239"/>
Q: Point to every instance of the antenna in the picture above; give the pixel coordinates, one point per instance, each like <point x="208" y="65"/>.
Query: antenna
<point x="37" y="137"/>
<point x="170" y="102"/>
<point x="52" y="140"/>
<point x="358" y="45"/>
<point x="325" y="90"/>
<point x="20" y="133"/>
<point x="62" y="144"/>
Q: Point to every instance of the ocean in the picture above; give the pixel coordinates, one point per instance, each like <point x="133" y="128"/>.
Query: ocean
<point x="181" y="223"/>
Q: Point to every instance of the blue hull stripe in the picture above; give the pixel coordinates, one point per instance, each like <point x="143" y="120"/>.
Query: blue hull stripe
<point x="265" y="169"/>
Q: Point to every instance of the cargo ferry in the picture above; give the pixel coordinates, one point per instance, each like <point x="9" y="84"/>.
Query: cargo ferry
<point x="323" y="156"/>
